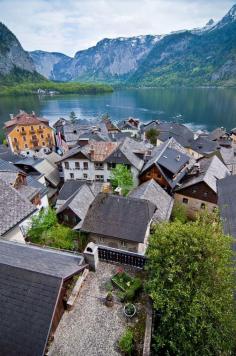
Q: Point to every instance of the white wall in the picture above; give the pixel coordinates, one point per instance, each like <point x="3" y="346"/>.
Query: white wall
<point x="15" y="235"/>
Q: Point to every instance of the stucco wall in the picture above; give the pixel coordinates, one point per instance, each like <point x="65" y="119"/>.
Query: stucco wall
<point x="14" y="235"/>
<point x="194" y="205"/>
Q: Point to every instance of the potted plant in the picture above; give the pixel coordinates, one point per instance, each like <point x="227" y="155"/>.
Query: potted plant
<point x="109" y="299"/>
<point x="129" y="310"/>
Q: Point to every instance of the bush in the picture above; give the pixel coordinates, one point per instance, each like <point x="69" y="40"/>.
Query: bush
<point x="40" y="223"/>
<point x="60" y="237"/>
<point x="133" y="290"/>
<point x="179" y="212"/>
<point x="126" y="342"/>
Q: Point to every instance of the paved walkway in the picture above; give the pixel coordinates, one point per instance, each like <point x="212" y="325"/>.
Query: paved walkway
<point x="91" y="328"/>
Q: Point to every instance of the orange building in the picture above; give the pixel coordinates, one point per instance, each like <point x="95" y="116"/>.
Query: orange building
<point x="27" y="132"/>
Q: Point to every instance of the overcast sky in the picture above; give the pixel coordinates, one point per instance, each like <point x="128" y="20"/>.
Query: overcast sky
<point x="70" y="25"/>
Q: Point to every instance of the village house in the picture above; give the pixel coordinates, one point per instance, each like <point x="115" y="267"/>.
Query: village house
<point x="15" y="211"/>
<point x="95" y="161"/>
<point x="154" y="193"/>
<point x="221" y="136"/>
<point x="202" y="147"/>
<point x="130" y="125"/>
<point x="44" y="171"/>
<point x="34" y="282"/>
<point x="228" y="156"/>
<point x="74" y="209"/>
<point x="167" y="164"/>
<point x="27" y="133"/>
<point x="198" y="190"/>
<point x="119" y="222"/>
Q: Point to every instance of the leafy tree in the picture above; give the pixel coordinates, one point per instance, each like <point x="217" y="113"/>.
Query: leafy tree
<point x="152" y="135"/>
<point x="73" y="117"/>
<point x="191" y="284"/>
<point x="45" y="220"/>
<point x="60" y="237"/>
<point x="122" y="177"/>
<point x="179" y="212"/>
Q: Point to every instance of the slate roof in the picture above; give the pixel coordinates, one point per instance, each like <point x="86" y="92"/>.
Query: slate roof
<point x="14" y="208"/>
<point x="43" y="166"/>
<point x="131" y="148"/>
<point x="7" y="155"/>
<point x="119" y="217"/>
<point x="69" y="188"/>
<point x="179" y="132"/>
<point x="32" y="182"/>
<point x="209" y="171"/>
<point x="79" y="202"/>
<point x="217" y="133"/>
<point x="154" y="193"/>
<point x="171" y="159"/>
<point x="204" y="146"/>
<point x="226" y="189"/>
<point x="30" y="282"/>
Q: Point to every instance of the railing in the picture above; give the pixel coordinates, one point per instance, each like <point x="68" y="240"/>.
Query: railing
<point x="124" y="257"/>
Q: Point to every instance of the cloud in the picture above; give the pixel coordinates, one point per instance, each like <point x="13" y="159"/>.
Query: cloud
<point x="71" y="25"/>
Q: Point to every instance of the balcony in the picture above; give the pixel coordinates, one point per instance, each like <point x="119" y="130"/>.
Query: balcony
<point x="23" y="132"/>
<point x="40" y="130"/>
<point x="32" y="131"/>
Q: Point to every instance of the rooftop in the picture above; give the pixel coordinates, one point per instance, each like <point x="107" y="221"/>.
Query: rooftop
<point x="24" y="118"/>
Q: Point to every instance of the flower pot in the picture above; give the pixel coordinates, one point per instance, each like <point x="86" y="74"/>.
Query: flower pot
<point x="109" y="300"/>
<point x="129" y="310"/>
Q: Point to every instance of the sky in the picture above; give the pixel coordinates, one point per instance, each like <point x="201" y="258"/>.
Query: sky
<point x="70" y="25"/>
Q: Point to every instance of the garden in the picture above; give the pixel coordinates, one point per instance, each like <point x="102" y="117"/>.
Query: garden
<point x="127" y="289"/>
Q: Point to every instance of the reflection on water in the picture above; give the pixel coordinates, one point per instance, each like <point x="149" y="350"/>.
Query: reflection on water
<point x="198" y="108"/>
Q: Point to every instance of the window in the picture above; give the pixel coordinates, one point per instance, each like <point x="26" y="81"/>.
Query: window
<point x="101" y="239"/>
<point x="111" y="166"/>
<point x="123" y="244"/>
<point x="66" y="217"/>
<point x="43" y="143"/>
<point x="67" y="165"/>
<point x="40" y="127"/>
<point x="203" y="206"/>
<point x="72" y="175"/>
<point x="15" y="139"/>
<point x="17" y="130"/>
<point x="194" y="191"/>
<point x="205" y="194"/>
<point x="49" y="135"/>
<point x="24" y="138"/>
<point x="77" y="166"/>
<point x="41" y="135"/>
<point x="22" y="129"/>
<point x="185" y="200"/>
<point x="26" y="146"/>
<point x="85" y="176"/>
<point x="159" y="175"/>
<point x="99" y="178"/>
<point x="98" y="165"/>
<point x="85" y="165"/>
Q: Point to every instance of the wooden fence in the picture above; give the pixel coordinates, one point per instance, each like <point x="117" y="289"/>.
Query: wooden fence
<point x="109" y="254"/>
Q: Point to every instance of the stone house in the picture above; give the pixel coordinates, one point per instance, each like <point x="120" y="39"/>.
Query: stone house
<point x="198" y="190"/>
<point x="119" y="222"/>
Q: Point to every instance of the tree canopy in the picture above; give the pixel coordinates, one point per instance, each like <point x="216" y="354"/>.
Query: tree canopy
<point x="152" y="135"/>
<point x="191" y="283"/>
<point x="122" y="177"/>
<point x="73" y="117"/>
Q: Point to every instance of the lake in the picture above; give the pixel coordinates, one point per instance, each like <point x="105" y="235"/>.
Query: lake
<point x="199" y="108"/>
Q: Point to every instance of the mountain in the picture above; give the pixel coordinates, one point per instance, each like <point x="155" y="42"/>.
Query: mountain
<point x="15" y="63"/>
<point x="205" y="56"/>
<point x="50" y="64"/>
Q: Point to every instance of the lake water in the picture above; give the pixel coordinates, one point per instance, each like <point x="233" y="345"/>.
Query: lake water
<point x="200" y="108"/>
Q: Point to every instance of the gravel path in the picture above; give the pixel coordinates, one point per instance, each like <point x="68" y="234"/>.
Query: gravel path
<point x="91" y="328"/>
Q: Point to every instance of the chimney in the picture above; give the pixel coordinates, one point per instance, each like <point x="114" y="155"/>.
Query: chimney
<point x="33" y="113"/>
<point x="11" y="116"/>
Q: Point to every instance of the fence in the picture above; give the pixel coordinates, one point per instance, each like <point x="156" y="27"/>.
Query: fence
<point x="123" y="257"/>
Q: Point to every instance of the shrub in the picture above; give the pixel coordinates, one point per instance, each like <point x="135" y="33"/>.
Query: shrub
<point x="133" y="290"/>
<point x="59" y="237"/>
<point x="126" y="342"/>
<point x="179" y="212"/>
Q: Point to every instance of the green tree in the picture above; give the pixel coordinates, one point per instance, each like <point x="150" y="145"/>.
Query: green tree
<point x="126" y="342"/>
<point x="122" y="177"/>
<point x="191" y="284"/>
<point x="73" y="117"/>
<point x="152" y="135"/>
<point x="44" y="221"/>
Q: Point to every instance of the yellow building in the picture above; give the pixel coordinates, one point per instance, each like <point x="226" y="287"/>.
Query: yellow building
<point x="27" y="132"/>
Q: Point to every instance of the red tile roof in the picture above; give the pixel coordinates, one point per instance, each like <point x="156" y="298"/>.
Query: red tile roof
<point x="25" y="119"/>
